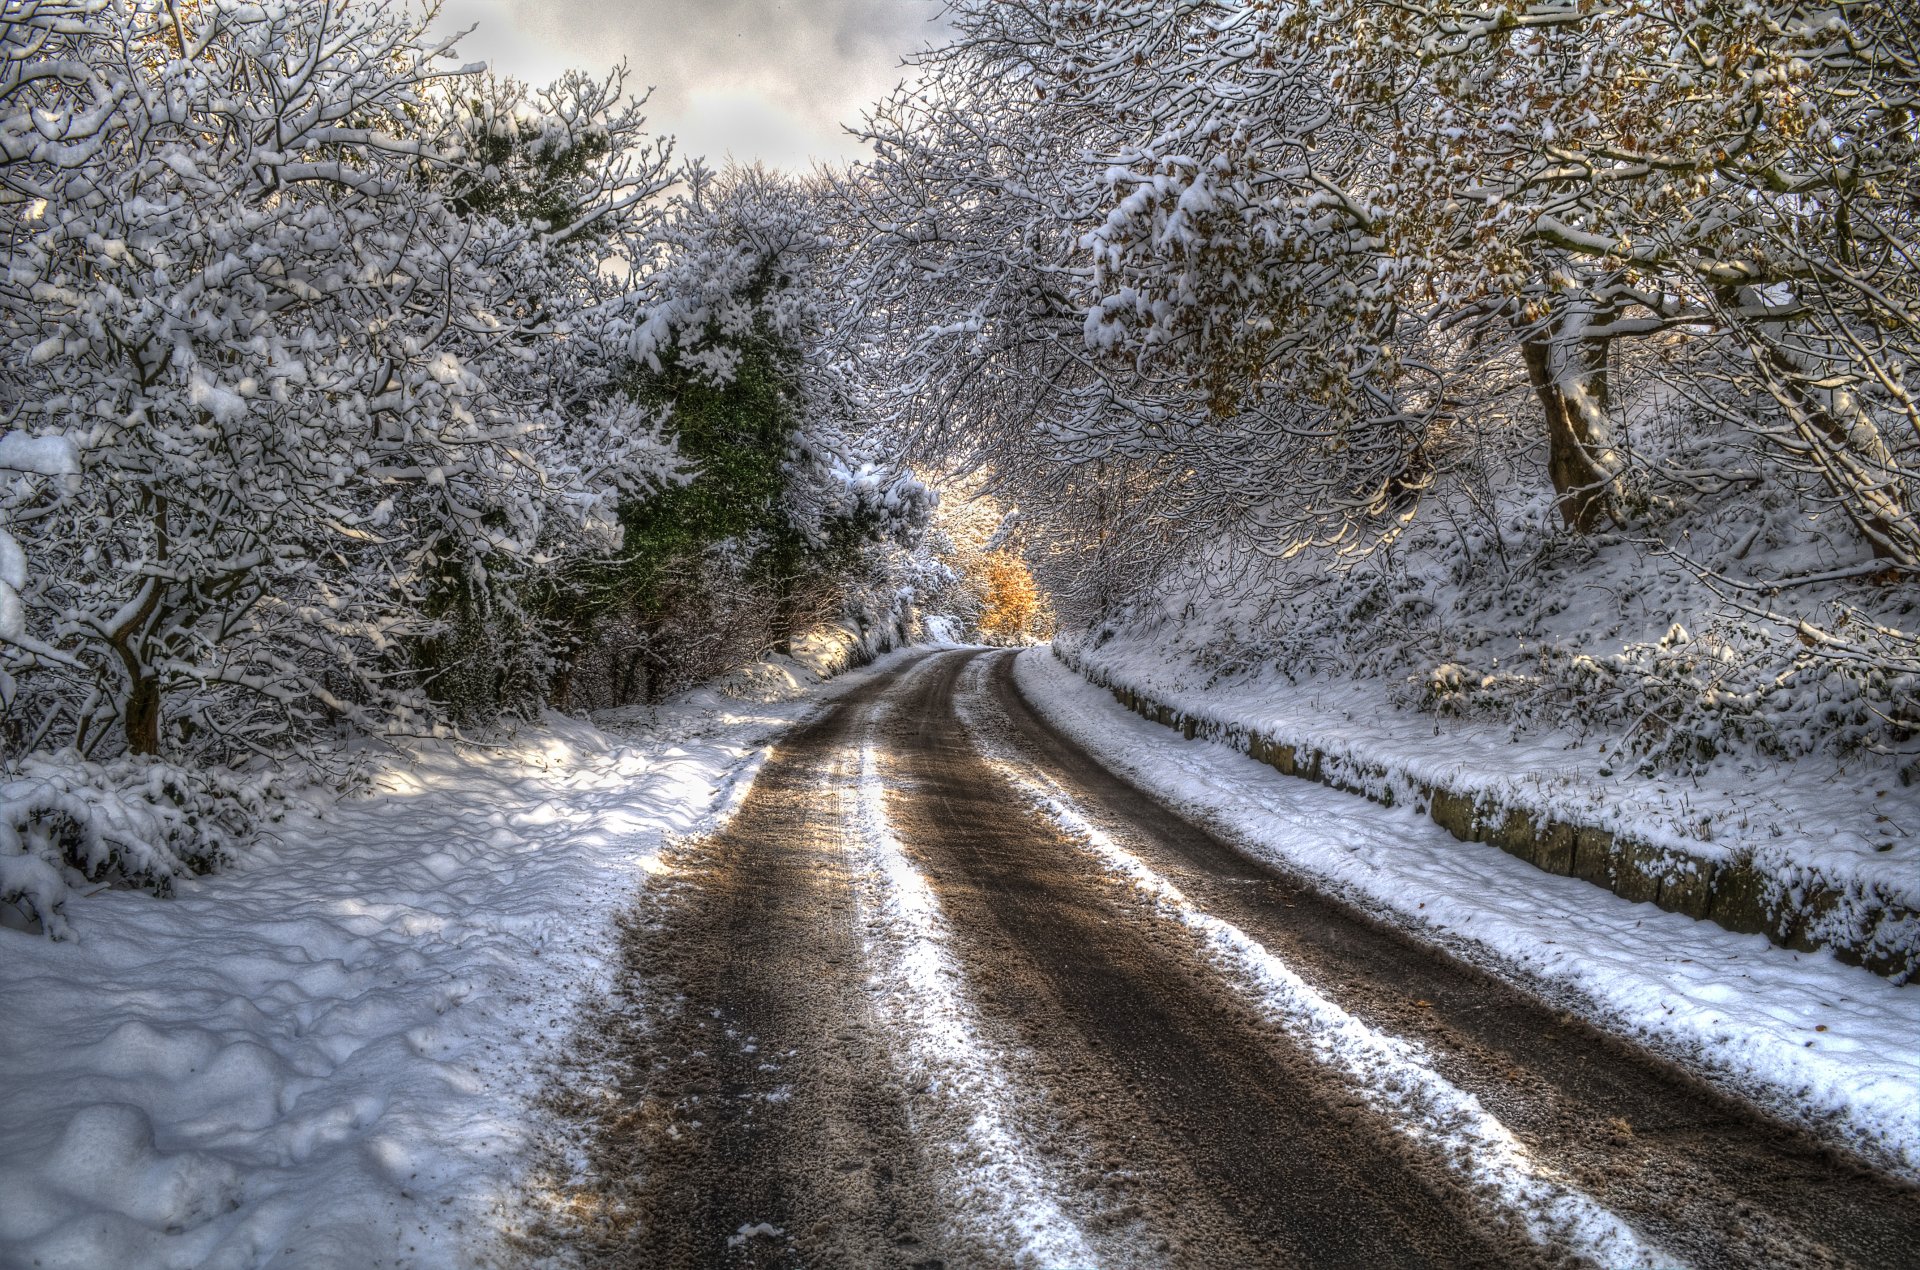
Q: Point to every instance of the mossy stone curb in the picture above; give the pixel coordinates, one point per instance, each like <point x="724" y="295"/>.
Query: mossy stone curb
<point x="1730" y="893"/>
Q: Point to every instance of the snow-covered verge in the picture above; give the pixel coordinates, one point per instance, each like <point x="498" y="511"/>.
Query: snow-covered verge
<point x="1819" y="852"/>
<point x="1829" y="1046"/>
<point x="826" y="651"/>
<point x="326" y="1054"/>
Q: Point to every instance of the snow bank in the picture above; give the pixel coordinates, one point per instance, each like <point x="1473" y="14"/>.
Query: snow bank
<point x="1830" y="1046"/>
<point x="1816" y="853"/>
<point x="327" y="1052"/>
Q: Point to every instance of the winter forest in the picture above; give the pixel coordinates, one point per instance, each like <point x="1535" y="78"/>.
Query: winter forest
<point x="1534" y="372"/>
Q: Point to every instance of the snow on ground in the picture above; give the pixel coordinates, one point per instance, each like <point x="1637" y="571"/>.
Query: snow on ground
<point x="1848" y="821"/>
<point x="327" y="1053"/>
<point x="1831" y="1046"/>
<point x="1000" y="1183"/>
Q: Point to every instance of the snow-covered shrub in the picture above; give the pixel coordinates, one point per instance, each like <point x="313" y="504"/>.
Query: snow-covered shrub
<point x="1682" y="701"/>
<point x="141" y="822"/>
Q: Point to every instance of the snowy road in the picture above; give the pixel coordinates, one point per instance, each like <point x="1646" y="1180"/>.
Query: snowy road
<point x="948" y="992"/>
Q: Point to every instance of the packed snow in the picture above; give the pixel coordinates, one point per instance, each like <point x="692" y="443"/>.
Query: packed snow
<point x="1001" y="1184"/>
<point x="1833" y="1047"/>
<point x="329" y="1051"/>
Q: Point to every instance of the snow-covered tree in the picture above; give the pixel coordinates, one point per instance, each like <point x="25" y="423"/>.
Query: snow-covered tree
<point x="1057" y="305"/>
<point x="303" y="382"/>
<point x="742" y="338"/>
<point x="1594" y="171"/>
<point x="752" y="265"/>
<point x="1559" y="174"/>
<point x="563" y="186"/>
<point x="1307" y="240"/>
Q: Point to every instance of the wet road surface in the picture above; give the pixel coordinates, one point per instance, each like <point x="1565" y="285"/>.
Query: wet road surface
<point x="773" y="1108"/>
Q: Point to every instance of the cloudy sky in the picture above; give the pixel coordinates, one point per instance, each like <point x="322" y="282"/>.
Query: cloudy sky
<point x="767" y="80"/>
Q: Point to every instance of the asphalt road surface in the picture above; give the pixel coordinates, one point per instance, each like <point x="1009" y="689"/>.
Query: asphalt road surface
<point x="897" y="1015"/>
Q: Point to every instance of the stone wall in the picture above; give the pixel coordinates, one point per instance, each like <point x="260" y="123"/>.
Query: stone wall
<point x="1802" y="914"/>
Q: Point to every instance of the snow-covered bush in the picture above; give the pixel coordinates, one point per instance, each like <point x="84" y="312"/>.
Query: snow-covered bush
<point x="132" y="821"/>
<point x="1684" y="700"/>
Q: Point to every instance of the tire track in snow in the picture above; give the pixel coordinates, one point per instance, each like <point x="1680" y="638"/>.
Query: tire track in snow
<point x="749" y="1112"/>
<point x="1002" y="1190"/>
<point x="1391" y="1075"/>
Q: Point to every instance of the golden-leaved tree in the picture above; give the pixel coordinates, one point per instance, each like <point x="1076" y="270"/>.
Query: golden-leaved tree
<point x="1015" y="611"/>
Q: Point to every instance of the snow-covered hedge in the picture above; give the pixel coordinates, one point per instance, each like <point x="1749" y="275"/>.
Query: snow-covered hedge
<point x="66" y="822"/>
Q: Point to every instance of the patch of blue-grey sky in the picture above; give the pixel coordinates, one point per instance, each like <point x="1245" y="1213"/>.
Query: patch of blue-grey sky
<point x="772" y="81"/>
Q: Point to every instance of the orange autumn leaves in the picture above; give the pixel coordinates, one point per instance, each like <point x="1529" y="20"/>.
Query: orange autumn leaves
<point x="1013" y="610"/>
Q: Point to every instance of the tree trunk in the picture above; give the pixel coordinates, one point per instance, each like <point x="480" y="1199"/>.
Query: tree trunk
<point x="143" y="716"/>
<point x="1569" y="376"/>
<point x="1855" y="462"/>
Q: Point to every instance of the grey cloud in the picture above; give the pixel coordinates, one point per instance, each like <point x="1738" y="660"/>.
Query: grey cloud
<point x="803" y="67"/>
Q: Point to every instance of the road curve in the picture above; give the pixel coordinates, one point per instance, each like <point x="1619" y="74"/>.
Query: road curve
<point x="775" y="1106"/>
